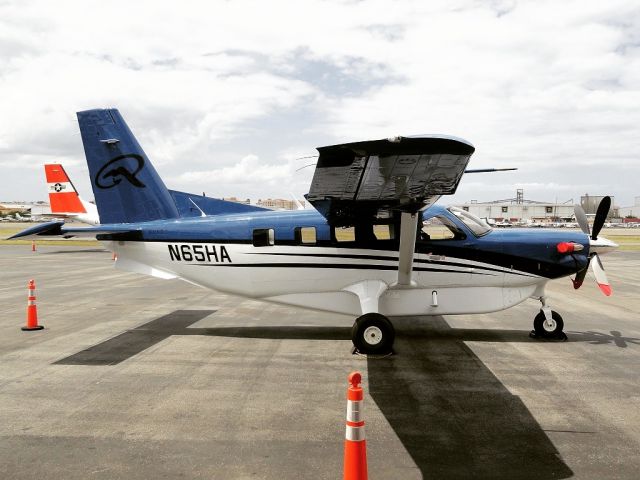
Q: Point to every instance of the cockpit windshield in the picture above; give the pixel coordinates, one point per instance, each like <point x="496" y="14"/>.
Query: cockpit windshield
<point x="477" y="226"/>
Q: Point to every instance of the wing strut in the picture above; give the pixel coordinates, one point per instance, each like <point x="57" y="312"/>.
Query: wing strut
<point x="408" y="230"/>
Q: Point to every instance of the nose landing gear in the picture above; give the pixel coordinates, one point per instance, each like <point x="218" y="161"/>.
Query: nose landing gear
<point x="548" y="324"/>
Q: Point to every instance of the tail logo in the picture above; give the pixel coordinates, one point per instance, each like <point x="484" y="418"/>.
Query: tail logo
<point x="122" y="166"/>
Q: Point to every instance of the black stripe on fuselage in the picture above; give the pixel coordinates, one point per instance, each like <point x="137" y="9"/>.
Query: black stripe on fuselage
<point x="512" y="263"/>
<point x="395" y="259"/>
<point x="342" y="266"/>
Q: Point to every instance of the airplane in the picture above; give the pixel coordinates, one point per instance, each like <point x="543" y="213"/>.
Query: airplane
<point x="364" y="250"/>
<point x="22" y="218"/>
<point x="64" y="198"/>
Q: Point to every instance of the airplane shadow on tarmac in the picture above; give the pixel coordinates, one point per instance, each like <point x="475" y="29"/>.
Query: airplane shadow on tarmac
<point x="454" y="417"/>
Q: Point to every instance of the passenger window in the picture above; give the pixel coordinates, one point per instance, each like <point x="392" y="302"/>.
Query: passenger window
<point x="305" y="235"/>
<point x="383" y="232"/>
<point x="263" y="237"/>
<point x="440" y="228"/>
<point x="345" y="234"/>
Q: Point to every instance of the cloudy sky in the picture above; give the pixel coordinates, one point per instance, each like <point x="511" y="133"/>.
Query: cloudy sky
<point x="227" y="96"/>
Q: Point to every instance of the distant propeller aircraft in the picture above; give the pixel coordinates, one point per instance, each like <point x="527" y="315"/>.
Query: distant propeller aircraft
<point x="64" y="198"/>
<point x="376" y="245"/>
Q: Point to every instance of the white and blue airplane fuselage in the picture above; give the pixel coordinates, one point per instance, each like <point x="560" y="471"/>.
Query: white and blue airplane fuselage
<point x="363" y="251"/>
<point x="219" y="253"/>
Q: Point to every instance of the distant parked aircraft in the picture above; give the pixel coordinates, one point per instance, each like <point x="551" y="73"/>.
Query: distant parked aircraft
<point x="64" y="198"/>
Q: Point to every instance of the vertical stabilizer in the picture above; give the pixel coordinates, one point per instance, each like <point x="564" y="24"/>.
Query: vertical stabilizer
<point x="126" y="186"/>
<point x="63" y="196"/>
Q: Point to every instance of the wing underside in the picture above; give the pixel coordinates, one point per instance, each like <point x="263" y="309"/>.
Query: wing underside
<point x="357" y="182"/>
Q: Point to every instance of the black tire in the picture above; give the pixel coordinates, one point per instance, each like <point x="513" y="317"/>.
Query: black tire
<point x="373" y="334"/>
<point x="543" y="330"/>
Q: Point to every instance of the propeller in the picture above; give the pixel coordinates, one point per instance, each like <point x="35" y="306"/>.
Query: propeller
<point x="581" y="218"/>
<point x="594" y="259"/>
<point x="601" y="277"/>
<point x="579" y="280"/>
<point x="601" y="216"/>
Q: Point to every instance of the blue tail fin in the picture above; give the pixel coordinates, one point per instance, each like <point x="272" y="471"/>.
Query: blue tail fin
<point x="126" y="187"/>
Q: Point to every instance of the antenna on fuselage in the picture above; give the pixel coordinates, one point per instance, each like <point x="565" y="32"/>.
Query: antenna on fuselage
<point x="202" y="214"/>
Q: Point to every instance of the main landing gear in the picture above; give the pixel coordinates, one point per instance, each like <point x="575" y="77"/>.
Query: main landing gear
<point x="373" y="334"/>
<point x="548" y="324"/>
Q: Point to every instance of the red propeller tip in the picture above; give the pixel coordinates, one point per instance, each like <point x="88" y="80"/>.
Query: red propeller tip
<point x="606" y="289"/>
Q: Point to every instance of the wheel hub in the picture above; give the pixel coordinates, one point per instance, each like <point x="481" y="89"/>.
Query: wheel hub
<point x="549" y="325"/>
<point x="372" y="335"/>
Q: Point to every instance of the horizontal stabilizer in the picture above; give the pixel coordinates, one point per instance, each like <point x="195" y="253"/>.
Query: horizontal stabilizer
<point x="190" y="205"/>
<point x="58" y="229"/>
<point x="48" y="228"/>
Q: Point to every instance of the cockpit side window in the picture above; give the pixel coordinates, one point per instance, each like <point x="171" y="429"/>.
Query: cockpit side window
<point x="438" y="228"/>
<point x="473" y="223"/>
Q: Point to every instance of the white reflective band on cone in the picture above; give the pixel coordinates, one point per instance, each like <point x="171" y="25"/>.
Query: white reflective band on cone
<point x="31" y="302"/>
<point x="354" y="434"/>
<point x="354" y="411"/>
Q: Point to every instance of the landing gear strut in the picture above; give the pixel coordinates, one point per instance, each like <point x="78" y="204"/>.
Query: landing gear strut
<point x="373" y="334"/>
<point x="548" y="323"/>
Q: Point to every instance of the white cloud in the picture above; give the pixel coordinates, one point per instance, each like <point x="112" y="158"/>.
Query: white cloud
<point x="224" y="89"/>
<point x="258" y="178"/>
<point x="247" y="170"/>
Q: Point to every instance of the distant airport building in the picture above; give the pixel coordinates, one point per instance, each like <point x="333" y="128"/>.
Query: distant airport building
<point x="272" y="203"/>
<point x="511" y="211"/>
<point x="12" y="207"/>
<point x="279" y="204"/>
<point x="631" y="212"/>
<point x="590" y="203"/>
<point x="246" y="201"/>
<point x="518" y="209"/>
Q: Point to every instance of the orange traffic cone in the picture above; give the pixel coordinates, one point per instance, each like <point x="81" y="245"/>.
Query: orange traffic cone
<point x="32" y="310"/>
<point x="355" y="445"/>
<point x="114" y="256"/>
<point x="33" y="245"/>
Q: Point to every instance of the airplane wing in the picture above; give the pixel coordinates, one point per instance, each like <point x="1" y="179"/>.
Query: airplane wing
<point x="357" y="182"/>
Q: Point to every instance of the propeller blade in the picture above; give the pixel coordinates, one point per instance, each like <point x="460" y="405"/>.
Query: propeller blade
<point x="601" y="277"/>
<point x="581" y="218"/>
<point x="579" y="280"/>
<point x="601" y="216"/>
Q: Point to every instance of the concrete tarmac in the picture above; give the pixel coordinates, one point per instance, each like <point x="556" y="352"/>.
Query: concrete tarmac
<point x="135" y="377"/>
